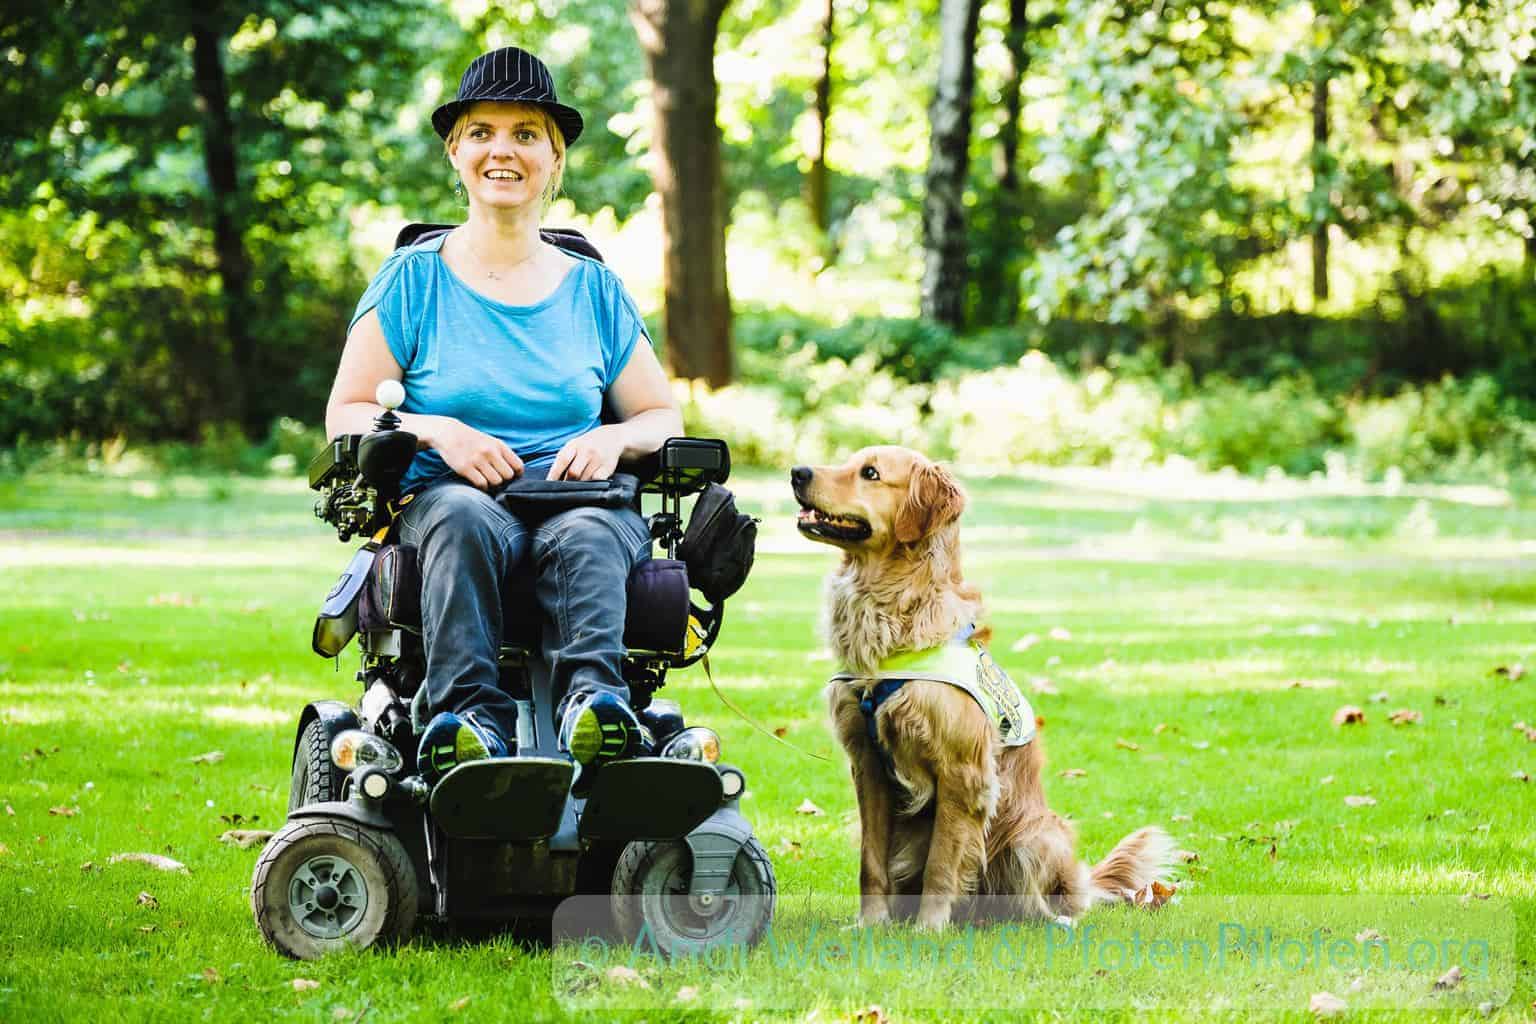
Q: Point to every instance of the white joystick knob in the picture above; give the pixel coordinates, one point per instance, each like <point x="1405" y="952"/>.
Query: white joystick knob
<point x="390" y="394"/>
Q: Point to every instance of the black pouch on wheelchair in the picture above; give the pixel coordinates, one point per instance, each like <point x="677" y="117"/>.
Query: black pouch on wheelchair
<point x="718" y="545"/>
<point x="392" y="597"/>
<point x="538" y="499"/>
<point x="658" y="607"/>
<point x="337" y="622"/>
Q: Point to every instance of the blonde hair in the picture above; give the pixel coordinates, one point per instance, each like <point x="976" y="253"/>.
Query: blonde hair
<point x="546" y="124"/>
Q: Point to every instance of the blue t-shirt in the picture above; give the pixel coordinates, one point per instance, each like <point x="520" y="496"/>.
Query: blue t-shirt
<point x="532" y="376"/>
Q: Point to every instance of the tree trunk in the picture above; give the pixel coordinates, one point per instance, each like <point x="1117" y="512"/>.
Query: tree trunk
<point x="997" y="284"/>
<point x="1016" y="40"/>
<point x="1319" y="150"/>
<point x="220" y="161"/>
<point x="678" y="37"/>
<point x="949" y="118"/>
<point x="816" y="180"/>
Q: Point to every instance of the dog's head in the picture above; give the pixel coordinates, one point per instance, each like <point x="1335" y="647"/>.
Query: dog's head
<point x="880" y="497"/>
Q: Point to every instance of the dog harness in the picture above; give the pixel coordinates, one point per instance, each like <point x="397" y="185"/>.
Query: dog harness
<point x="962" y="662"/>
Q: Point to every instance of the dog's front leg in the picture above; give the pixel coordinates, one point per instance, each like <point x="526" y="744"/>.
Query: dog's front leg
<point x="874" y="797"/>
<point x="957" y="849"/>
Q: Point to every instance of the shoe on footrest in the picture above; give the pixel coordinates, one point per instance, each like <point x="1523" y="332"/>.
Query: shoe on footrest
<point x="598" y="726"/>
<point x="451" y="740"/>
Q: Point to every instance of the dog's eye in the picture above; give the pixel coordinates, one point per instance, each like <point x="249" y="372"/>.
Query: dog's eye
<point x="869" y="473"/>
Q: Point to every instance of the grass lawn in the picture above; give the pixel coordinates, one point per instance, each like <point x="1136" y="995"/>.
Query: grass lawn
<point x="1193" y="639"/>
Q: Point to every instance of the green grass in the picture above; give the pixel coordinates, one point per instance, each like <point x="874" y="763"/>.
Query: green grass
<point x="147" y="621"/>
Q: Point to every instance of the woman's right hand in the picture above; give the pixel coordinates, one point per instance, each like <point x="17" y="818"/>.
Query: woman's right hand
<point x="477" y="457"/>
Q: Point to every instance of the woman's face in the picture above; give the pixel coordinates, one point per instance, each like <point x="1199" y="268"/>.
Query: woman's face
<point x="504" y="156"/>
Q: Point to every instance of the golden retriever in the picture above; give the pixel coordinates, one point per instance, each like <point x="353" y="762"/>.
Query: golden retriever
<point x="953" y="813"/>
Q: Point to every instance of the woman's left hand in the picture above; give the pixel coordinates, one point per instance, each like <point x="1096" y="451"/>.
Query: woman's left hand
<point x="592" y="456"/>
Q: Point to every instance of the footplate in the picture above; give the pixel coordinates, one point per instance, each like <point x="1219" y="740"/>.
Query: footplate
<point x="650" y="798"/>
<point x="515" y="799"/>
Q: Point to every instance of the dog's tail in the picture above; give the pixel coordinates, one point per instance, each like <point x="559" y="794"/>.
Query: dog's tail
<point x="1141" y="858"/>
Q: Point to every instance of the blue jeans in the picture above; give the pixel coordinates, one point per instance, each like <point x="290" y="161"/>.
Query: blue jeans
<point x="472" y="552"/>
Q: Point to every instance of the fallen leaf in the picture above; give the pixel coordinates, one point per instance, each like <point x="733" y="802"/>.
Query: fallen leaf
<point x="1511" y="672"/>
<point x="1125" y="744"/>
<point x="1326" y="780"/>
<point x="1360" y="801"/>
<point x="1368" y="935"/>
<point x="1380" y="697"/>
<point x="154" y="860"/>
<point x="144" y="899"/>
<point x="1530" y="732"/>
<point x="10" y="812"/>
<point x="1449" y="980"/>
<point x="88" y="866"/>
<point x="245" y="838"/>
<point x="621" y="975"/>
<point x="790" y="848"/>
<point x="1326" y="1004"/>
<point x="1405" y="716"/>
<point x="212" y="757"/>
<point x="1060" y="633"/>
<point x="4" y="850"/>
<point x="1313" y="684"/>
<point x="1073" y="773"/>
<point x="1040" y="684"/>
<point x="781" y="731"/>
<point x="1151" y="896"/>
<point x="687" y="994"/>
<point x="147" y="928"/>
<point x="212" y="976"/>
<point x="1349" y="714"/>
<point x="1186" y="856"/>
<point x="1160" y="728"/>
<point x="872" y="1014"/>
<point x="63" y="812"/>
<point x="1201" y="744"/>
<point x="304" y="984"/>
<point x="1024" y="643"/>
<point x="459" y="1004"/>
<point x="340" y="1013"/>
<point x="1183" y="817"/>
<point x="806" y="807"/>
<point x="1274" y="852"/>
<point x="1521" y="776"/>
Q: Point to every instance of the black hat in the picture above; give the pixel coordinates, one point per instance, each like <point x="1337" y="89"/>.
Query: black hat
<point x="508" y="75"/>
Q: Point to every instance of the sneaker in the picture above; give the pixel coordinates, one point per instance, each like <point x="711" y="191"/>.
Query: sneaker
<point x="451" y="739"/>
<point x="598" y="726"/>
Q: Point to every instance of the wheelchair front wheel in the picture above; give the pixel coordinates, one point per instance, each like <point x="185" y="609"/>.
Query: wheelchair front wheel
<point x="315" y="780"/>
<point x="651" y="898"/>
<point x="323" y="885"/>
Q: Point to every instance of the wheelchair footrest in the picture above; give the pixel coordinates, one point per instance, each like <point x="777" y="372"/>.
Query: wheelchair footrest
<point x="650" y="798"/>
<point x="515" y="799"/>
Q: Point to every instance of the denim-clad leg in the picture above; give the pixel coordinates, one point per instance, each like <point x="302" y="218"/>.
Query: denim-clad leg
<point x="467" y="546"/>
<point x="583" y="558"/>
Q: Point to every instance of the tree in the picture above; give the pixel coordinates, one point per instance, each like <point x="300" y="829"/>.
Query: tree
<point x="678" y="39"/>
<point x="949" y="117"/>
<point x="816" y="178"/>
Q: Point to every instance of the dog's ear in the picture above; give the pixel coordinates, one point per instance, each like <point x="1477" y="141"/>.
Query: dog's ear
<point x="934" y="499"/>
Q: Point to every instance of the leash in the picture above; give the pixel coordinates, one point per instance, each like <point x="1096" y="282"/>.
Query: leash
<point x="704" y="660"/>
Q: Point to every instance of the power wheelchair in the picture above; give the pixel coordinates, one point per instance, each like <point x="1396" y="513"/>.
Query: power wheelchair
<point x="370" y="846"/>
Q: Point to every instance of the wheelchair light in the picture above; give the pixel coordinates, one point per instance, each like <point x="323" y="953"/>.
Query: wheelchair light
<point x="357" y="749"/>
<point x="732" y="782"/>
<point x="695" y="744"/>
<point x="375" y="784"/>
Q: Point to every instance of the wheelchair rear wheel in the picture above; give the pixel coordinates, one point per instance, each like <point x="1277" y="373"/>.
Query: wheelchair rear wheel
<point x="315" y="779"/>
<point x="324" y="885"/>
<point x="650" y="891"/>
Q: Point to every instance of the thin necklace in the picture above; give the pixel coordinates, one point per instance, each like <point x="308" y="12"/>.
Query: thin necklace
<point x="485" y="265"/>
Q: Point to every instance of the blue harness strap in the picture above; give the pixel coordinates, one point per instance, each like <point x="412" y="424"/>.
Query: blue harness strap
<point x="881" y="692"/>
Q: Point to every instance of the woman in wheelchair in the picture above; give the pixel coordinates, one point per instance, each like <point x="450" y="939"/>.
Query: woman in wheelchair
<point x="509" y="348"/>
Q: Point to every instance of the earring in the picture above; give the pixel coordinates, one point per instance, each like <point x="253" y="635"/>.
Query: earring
<point x="458" y="190"/>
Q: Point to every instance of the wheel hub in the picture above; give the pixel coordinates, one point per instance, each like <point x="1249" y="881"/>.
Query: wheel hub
<point x="328" y="896"/>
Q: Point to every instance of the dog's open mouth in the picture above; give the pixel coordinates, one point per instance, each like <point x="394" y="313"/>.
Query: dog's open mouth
<point x="816" y="523"/>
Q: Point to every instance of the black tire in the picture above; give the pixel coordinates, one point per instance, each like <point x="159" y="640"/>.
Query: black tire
<point x="315" y="779"/>
<point x="650" y="891"/>
<point x="373" y="889"/>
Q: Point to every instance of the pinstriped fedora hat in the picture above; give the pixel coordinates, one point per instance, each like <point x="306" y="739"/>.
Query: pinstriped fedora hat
<point x="508" y="75"/>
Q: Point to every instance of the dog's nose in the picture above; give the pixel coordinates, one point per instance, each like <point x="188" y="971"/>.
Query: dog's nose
<point x="800" y="476"/>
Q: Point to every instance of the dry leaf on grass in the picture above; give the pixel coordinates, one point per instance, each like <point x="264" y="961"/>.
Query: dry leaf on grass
<point x="4" y="850"/>
<point x="1024" y="643"/>
<point x="1326" y="1004"/>
<point x="1326" y="780"/>
<point x="144" y="899"/>
<point x="1380" y="697"/>
<point x="1151" y="896"/>
<point x="1360" y="801"/>
<point x="459" y="1004"/>
<point x="147" y="928"/>
<point x="1520" y="776"/>
<point x="621" y="975"/>
<point x="304" y="984"/>
<point x="1405" y="716"/>
<point x="63" y="812"/>
<point x="1040" y="684"/>
<point x="1182" y="818"/>
<point x="1060" y="633"/>
<point x="872" y="1014"/>
<point x="1073" y="773"/>
<point x="687" y="994"/>
<point x="1530" y="732"/>
<point x="1125" y="744"/>
<point x="212" y="757"/>
<point x="1511" y="672"/>
<point x="212" y="976"/>
<point x="154" y="860"/>
<point x="1186" y="856"/>
<point x="1368" y="935"/>
<point x="1449" y="980"/>
<point x="781" y="731"/>
<point x="1313" y="684"/>
<point x="10" y="812"/>
<point x="1349" y="714"/>
<point x="245" y="838"/>
<point x="806" y="807"/>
